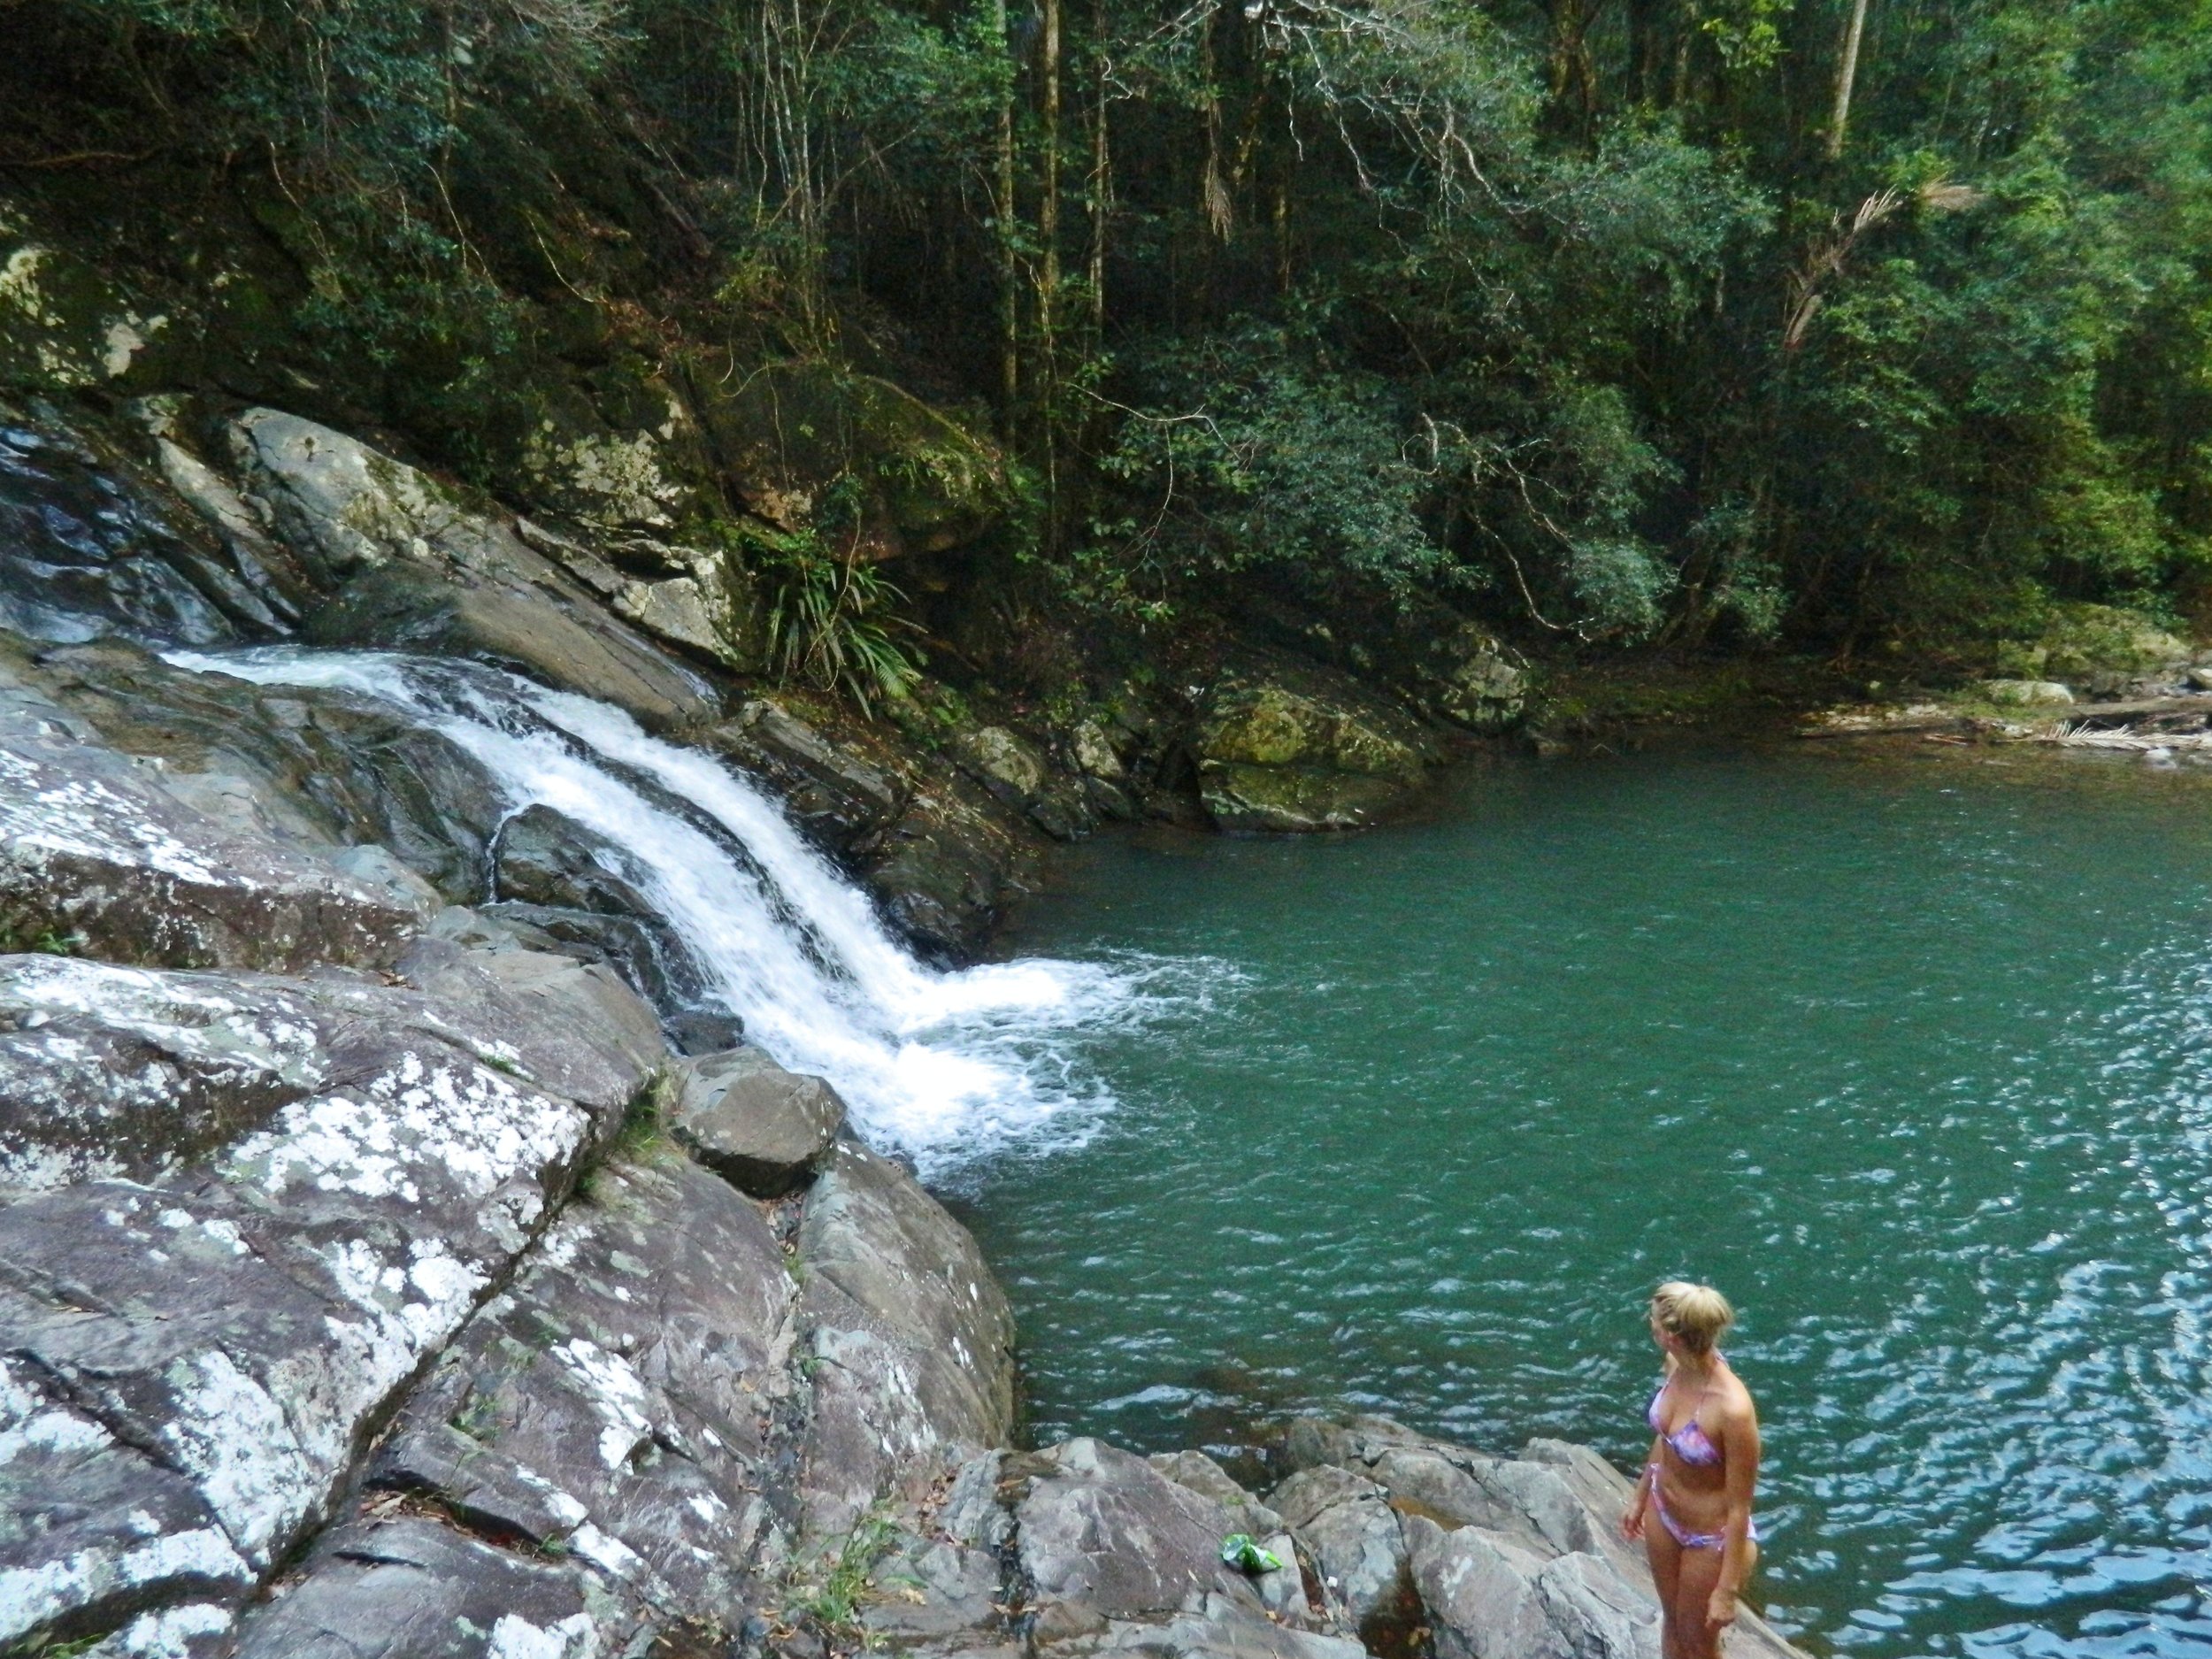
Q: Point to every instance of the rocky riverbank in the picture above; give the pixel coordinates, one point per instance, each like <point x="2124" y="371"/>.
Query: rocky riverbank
<point x="401" y="1257"/>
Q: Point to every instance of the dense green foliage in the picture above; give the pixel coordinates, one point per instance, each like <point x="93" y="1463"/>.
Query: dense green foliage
<point x="1596" y="316"/>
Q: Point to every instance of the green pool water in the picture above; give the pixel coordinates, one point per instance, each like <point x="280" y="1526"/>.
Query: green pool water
<point x="1910" y="1052"/>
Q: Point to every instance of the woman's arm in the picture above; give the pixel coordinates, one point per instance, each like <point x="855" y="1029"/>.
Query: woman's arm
<point x="1633" y="1519"/>
<point x="1739" y="1453"/>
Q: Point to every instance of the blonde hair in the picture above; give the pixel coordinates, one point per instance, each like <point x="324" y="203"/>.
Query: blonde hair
<point x="1697" y="1314"/>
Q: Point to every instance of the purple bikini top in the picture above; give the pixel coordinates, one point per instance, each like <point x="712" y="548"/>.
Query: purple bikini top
<point x="1689" y="1442"/>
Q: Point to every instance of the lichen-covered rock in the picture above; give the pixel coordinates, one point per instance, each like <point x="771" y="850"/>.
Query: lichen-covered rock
<point x="242" y="1319"/>
<point x="411" y="565"/>
<point x="1016" y="771"/>
<point x="763" y="1129"/>
<point x="909" y="1337"/>
<point x="616" y="1404"/>
<point x="1291" y="748"/>
<point x="411" y="1587"/>
<point x="64" y="323"/>
<point x="1464" y="675"/>
<point x="95" y="855"/>
<point x="2023" y="693"/>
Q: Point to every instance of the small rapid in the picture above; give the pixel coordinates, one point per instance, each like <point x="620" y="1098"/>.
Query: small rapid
<point x="950" y="1066"/>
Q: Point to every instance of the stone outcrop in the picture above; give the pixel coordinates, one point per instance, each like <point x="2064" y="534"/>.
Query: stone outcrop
<point x="405" y="563"/>
<point x="1288" y="748"/>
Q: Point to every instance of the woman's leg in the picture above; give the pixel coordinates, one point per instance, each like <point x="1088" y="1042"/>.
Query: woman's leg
<point x="1665" y="1556"/>
<point x="1696" y="1573"/>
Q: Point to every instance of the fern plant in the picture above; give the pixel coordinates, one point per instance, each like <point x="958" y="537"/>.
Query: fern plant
<point x="833" y="625"/>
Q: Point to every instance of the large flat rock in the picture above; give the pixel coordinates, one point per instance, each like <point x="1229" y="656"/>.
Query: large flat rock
<point x="618" y="1404"/>
<point x="198" y="1354"/>
<point x="97" y="858"/>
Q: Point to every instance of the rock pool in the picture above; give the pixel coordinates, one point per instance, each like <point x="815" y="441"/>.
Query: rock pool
<point x="1908" y="1050"/>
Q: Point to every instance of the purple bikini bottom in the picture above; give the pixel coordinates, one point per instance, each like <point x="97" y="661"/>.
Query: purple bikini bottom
<point x="1680" y="1534"/>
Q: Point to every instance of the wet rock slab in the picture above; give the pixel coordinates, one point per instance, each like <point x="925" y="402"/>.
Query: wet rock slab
<point x="96" y="856"/>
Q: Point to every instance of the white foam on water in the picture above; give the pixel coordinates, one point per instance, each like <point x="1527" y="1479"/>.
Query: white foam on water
<point x="950" y="1066"/>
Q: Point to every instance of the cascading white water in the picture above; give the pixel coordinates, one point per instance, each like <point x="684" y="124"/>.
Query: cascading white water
<point x="948" y="1065"/>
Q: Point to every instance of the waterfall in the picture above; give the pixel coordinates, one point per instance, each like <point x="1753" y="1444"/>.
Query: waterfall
<point x="949" y="1066"/>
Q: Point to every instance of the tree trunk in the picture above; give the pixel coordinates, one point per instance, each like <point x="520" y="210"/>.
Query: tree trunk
<point x="1048" y="273"/>
<point x="1008" y="251"/>
<point x="1847" y="73"/>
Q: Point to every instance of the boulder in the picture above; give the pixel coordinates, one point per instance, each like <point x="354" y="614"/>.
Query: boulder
<point x="947" y="868"/>
<point x="909" y="1340"/>
<point x="1488" y="1598"/>
<point x="1282" y="1591"/>
<point x="555" y="874"/>
<point x="411" y="1587"/>
<point x="409" y="565"/>
<point x="1285" y="747"/>
<point x="97" y="856"/>
<point x="764" y="1130"/>
<point x="1465" y="676"/>
<point x="1015" y="771"/>
<point x="1216" y="1627"/>
<point x="1103" y="1536"/>
<point x="1346" y="1521"/>
<point x="2023" y="693"/>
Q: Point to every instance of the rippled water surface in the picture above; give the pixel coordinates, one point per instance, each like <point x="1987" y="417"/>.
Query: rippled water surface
<point x="1909" y="1055"/>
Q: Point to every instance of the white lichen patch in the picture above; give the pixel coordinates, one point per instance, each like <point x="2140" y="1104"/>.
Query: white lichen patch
<point x="126" y="336"/>
<point x="611" y="1555"/>
<point x="45" y="808"/>
<point x="427" y="1118"/>
<point x="99" y="1049"/>
<point x="618" y="480"/>
<point x="167" y="1634"/>
<point x="514" y="1636"/>
<point x="33" y="1592"/>
<point x="615" y="1393"/>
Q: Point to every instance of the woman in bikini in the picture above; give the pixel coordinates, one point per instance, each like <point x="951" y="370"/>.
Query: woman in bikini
<point x="1698" y="1480"/>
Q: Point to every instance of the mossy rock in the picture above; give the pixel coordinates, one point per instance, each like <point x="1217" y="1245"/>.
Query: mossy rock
<point x="1284" y="748"/>
<point x="2082" y="642"/>
<point x="815" y="446"/>
<point x="63" y="325"/>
